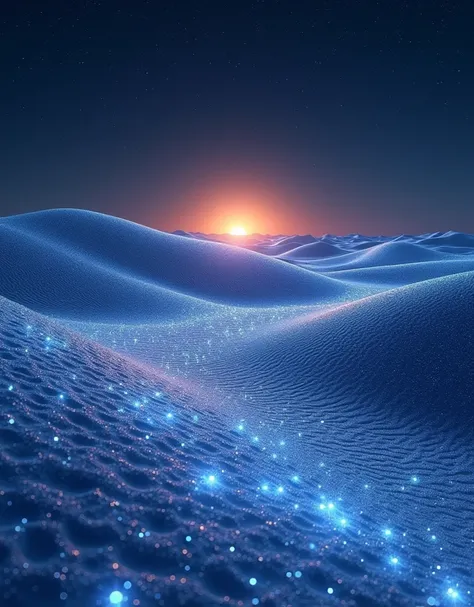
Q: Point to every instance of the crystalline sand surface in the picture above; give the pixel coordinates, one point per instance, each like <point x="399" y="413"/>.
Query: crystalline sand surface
<point x="186" y="422"/>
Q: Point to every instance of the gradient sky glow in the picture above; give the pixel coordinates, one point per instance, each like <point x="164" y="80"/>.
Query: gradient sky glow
<point x="281" y="115"/>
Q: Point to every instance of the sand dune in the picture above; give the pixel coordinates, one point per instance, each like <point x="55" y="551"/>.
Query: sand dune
<point x="104" y="462"/>
<point x="313" y="250"/>
<point x="449" y="239"/>
<point x="197" y="424"/>
<point x="405" y="273"/>
<point x="380" y="345"/>
<point x="94" y="261"/>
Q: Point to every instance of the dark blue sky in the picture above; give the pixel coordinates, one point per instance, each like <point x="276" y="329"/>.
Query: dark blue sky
<point x="293" y="116"/>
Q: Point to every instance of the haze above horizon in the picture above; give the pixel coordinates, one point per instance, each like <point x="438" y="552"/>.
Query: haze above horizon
<point x="271" y="115"/>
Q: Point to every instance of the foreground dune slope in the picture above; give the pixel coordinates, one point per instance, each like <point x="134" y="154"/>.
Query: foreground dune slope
<point x="126" y="482"/>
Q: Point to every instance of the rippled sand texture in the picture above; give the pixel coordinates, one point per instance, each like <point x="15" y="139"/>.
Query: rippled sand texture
<point x="288" y="422"/>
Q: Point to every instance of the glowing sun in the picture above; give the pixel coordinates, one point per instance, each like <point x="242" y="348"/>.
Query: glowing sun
<point x="238" y="231"/>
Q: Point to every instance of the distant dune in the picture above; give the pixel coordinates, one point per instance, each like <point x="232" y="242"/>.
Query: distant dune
<point x="313" y="250"/>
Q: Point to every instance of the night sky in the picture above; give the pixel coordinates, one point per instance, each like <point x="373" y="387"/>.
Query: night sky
<point x="287" y="116"/>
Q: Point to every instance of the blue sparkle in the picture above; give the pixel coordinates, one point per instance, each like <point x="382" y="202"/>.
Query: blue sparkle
<point x="452" y="593"/>
<point x="116" y="597"/>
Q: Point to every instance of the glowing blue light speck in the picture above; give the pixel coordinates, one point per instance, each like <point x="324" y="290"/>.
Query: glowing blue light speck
<point x="116" y="597"/>
<point x="453" y="594"/>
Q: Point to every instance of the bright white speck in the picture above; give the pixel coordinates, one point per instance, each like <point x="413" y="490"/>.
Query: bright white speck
<point x="10" y="388"/>
<point x="232" y="549"/>
<point x="56" y="439"/>
<point x="280" y="489"/>
<point x="211" y="479"/>
<point x="169" y="416"/>
<point x="11" y="421"/>
<point x="298" y="574"/>
<point x="394" y="560"/>
<point x="387" y="533"/>
<point x="252" y="581"/>
<point x="330" y="590"/>
<point x="454" y="594"/>
<point x="116" y="597"/>
<point x="188" y="538"/>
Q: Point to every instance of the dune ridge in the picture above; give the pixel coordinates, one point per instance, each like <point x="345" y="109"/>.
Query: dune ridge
<point x="71" y="244"/>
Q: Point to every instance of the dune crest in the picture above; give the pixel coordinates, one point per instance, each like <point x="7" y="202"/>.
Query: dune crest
<point x="94" y="260"/>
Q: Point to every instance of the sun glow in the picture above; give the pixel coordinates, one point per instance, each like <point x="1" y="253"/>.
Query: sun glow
<point x="238" y="231"/>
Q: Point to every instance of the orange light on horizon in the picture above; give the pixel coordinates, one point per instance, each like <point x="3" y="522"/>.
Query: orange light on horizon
<point x="238" y="231"/>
